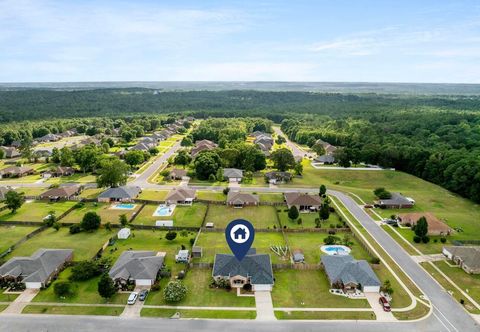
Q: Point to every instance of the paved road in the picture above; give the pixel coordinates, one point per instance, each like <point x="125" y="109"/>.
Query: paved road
<point x="445" y="308"/>
<point x="297" y="152"/>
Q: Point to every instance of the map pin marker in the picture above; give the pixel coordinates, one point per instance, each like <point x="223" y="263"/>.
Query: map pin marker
<point x="239" y="234"/>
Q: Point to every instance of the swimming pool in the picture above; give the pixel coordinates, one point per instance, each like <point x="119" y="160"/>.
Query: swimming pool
<point x="123" y="206"/>
<point x="164" y="210"/>
<point x="335" y="250"/>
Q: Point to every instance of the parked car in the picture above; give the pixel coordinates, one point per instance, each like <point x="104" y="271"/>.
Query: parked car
<point x="132" y="298"/>
<point x="143" y="295"/>
<point x="368" y="206"/>
<point x="390" y="221"/>
<point x="384" y="303"/>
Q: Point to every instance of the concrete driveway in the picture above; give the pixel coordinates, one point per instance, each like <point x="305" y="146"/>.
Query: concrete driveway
<point x="263" y="302"/>
<point x="134" y="310"/>
<point x="17" y="306"/>
<point x="382" y="316"/>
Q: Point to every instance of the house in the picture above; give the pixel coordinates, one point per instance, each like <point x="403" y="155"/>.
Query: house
<point x="240" y="199"/>
<point x="197" y="252"/>
<point x="139" y="267"/>
<point x="43" y="152"/>
<point x="10" y="152"/>
<point x="397" y="201"/>
<point x="59" y="171"/>
<point x="275" y="177"/>
<point x="143" y="146"/>
<point x="435" y="225"/>
<point x="120" y="194"/>
<point x="48" y="138"/>
<point x="3" y="192"/>
<point x="345" y="272"/>
<point x="254" y="269"/>
<point x="181" y="195"/>
<point x="303" y="202"/>
<point x="467" y="257"/>
<point x="177" y="174"/>
<point x="37" y="270"/>
<point x="202" y="145"/>
<point x="233" y="174"/>
<point x="326" y="159"/>
<point x="16" y="171"/>
<point x="183" y="256"/>
<point x="329" y="149"/>
<point x="64" y="192"/>
<point x="124" y="233"/>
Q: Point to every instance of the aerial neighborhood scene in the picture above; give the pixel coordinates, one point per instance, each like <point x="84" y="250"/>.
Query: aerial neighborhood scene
<point x="207" y="166"/>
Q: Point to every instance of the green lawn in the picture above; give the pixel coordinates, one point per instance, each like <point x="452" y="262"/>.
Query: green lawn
<point x="104" y="210"/>
<point x="274" y="198"/>
<point x="201" y="295"/>
<point x="308" y="219"/>
<point x="214" y="243"/>
<point x="326" y="315"/>
<point x="77" y="177"/>
<point x="310" y="243"/>
<point x="154" y="195"/>
<point x="211" y="195"/>
<point x="433" y="247"/>
<point x="3" y="307"/>
<point x="308" y="289"/>
<point x="9" y="235"/>
<point x="33" y="191"/>
<point x="85" y="292"/>
<point x="259" y="216"/>
<point x="36" y="211"/>
<point x="85" y="245"/>
<point x="183" y="216"/>
<point x="7" y="297"/>
<point x="91" y="192"/>
<point x="208" y="314"/>
<point x="62" y="310"/>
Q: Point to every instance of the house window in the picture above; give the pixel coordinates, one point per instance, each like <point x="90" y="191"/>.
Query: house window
<point x="238" y="282"/>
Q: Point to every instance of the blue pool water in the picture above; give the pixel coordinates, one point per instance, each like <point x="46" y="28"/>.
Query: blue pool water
<point x="124" y="206"/>
<point x="164" y="211"/>
<point x="335" y="249"/>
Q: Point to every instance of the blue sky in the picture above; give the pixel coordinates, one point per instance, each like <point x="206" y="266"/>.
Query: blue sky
<point x="380" y="41"/>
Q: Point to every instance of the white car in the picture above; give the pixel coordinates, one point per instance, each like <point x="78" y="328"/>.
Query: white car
<point x="132" y="298"/>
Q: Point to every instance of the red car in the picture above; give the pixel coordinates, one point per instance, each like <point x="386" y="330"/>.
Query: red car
<point x="384" y="303"/>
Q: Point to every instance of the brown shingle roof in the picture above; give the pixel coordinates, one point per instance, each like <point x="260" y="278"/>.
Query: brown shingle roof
<point x="302" y="199"/>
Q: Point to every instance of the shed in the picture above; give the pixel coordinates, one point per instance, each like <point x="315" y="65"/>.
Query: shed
<point x="124" y="233"/>
<point x="182" y="256"/>
<point x="197" y="252"/>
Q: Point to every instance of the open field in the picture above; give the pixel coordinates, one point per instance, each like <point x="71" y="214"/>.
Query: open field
<point x="85" y="292"/>
<point x="63" y="310"/>
<point x="200" y="294"/>
<point x="275" y="198"/>
<point x="183" y="216"/>
<point x="36" y="211"/>
<point x="85" y="245"/>
<point x="214" y="243"/>
<point x="308" y="219"/>
<point x="154" y="195"/>
<point x="197" y="313"/>
<point x="77" y="177"/>
<point x="104" y="210"/>
<point x="211" y="195"/>
<point x="9" y="235"/>
<point x="308" y="289"/>
<point x="326" y="315"/>
<point x="259" y="216"/>
<point x="310" y="244"/>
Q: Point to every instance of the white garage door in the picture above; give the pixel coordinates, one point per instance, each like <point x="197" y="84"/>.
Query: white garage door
<point x="371" y="289"/>
<point x="259" y="288"/>
<point x="143" y="282"/>
<point x="34" y="285"/>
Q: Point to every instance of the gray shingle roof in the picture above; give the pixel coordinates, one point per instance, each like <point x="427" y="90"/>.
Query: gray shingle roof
<point x="38" y="267"/>
<point x="137" y="265"/>
<point x="470" y="255"/>
<point x="232" y="173"/>
<point x="258" y="267"/>
<point x="237" y="197"/>
<point x="348" y="270"/>
<point x="121" y="192"/>
<point x="181" y="194"/>
<point x="396" y="199"/>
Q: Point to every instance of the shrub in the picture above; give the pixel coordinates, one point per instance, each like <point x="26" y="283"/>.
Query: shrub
<point x="192" y="241"/>
<point x="247" y="287"/>
<point x="165" y="272"/>
<point x="425" y="239"/>
<point x="56" y="226"/>
<point x="226" y="191"/>
<point x="331" y="232"/>
<point x="155" y="287"/>
<point x="91" y="221"/>
<point x="106" y="288"/>
<point x="181" y="275"/>
<point x="329" y="240"/>
<point x="443" y="239"/>
<point x="74" y="229"/>
<point x="299" y="221"/>
<point x="332" y="226"/>
<point x="375" y="260"/>
<point x="435" y="240"/>
<point x="293" y="213"/>
<point x="408" y="224"/>
<point x="175" y="291"/>
<point x="339" y="225"/>
<point x="331" y="209"/>
<point x="417" y="239"/>
<point x="212" y="178"/>
<point x="63" y="289"/>
<point x="171" y="235"/>
<point x="79" y="205"/>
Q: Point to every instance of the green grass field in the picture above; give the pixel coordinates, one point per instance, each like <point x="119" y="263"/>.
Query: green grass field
<point x="214" y="243"/>
<point x="259" y="216"/>
<point x="85" y="245"/>
<point x="183" y="216"/>
<point x="211" y="195"/>
<point x="208" y="314"/>
<point x="36" y="211"/>
<point x="201" y="295"/>
<point x="308" y="289"/>
<point x="91" y="192"/>
<point x="275" y="198"/>
<point x="85" y="292"/>
<point x="63" y="310"/>
<point x="9" y="235"/>
<point x="7" y="297"/>
<point x="104" y="210"/>
<point x="154" y="195"/>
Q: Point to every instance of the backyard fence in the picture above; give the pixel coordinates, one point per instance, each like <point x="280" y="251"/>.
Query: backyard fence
<point x="23" y="239"/>
<point x="135" y="214"/>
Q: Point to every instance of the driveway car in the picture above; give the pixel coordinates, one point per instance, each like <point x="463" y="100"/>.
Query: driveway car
<point x="384" y="303"/>
<point x="143" y="295"/>
<point x="132" y="298"/>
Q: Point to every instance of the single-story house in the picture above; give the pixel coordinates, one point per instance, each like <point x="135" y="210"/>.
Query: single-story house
<point x="124" y="233"/>
<point x="233" y="174"/>
<point x="64" y="192"/>
<point x="467" y="257"/>
<point x="177" y="174"/>
<point x="275" y="177"/>
<point x="37" y="270"/>
<point x="253" y="269"/>
<point x="240" y="199"/>
<point x="303" y="202"/>
<point x="59" y="171"/>
<point x="202" y="145"/>
<point x="48" y="138"/>
<point x="139" y="267"/>
<point x="10" y="152"/>
<point x="143" y="146"/>
<point x="3" y="192"/>
<point x="181" y="195"/>
<point x="16" y="171"/>
<point x="329" y="148"/>
<point x="345" y="272"/>
<point x="43" y="152"/>
<point x="326" y="159"/>
<point x="397" y="201"/>
<point x="120" y="194"/>
<point x="435" y="225"/>
<point x="182" y="257"/>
